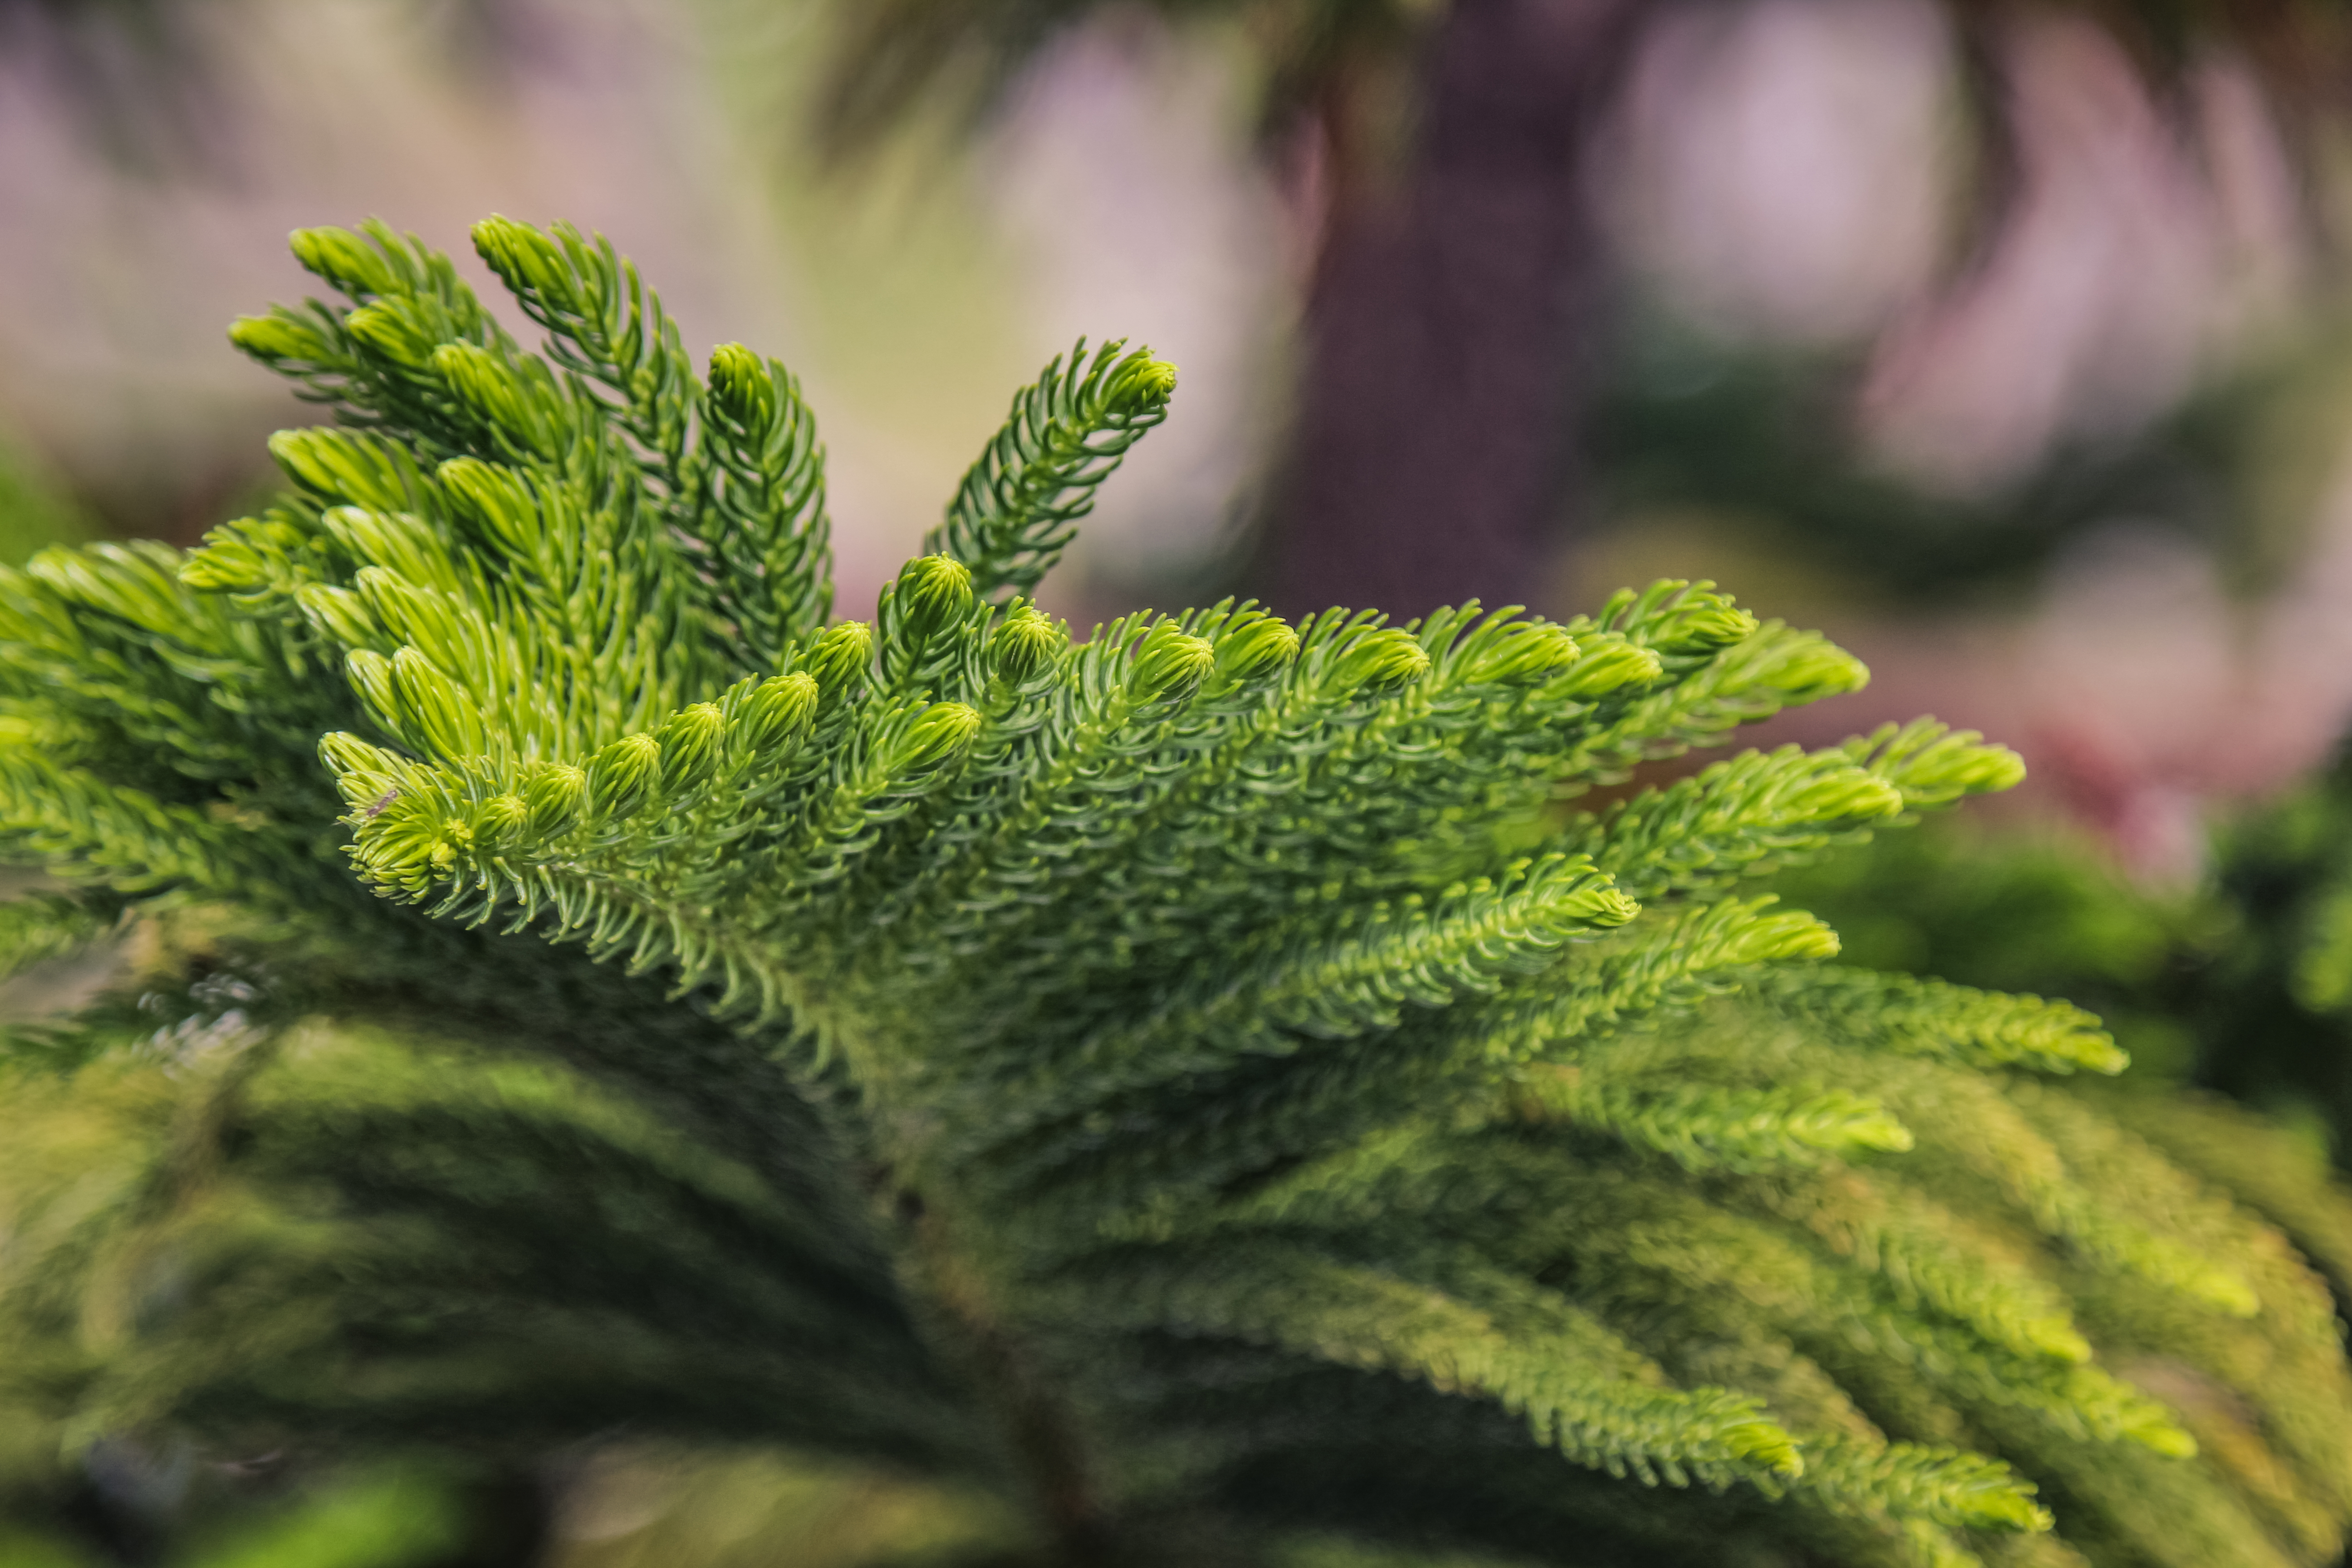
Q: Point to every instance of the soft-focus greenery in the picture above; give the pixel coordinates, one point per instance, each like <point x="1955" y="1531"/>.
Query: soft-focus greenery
<point x="33" y="514"/>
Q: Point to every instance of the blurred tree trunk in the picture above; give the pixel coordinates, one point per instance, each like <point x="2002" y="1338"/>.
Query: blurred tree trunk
<point x="1448" y="321"/>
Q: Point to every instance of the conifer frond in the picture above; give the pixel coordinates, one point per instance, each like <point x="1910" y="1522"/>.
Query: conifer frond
<point x="764" y="522"/>
<point x="604" y="325"/>
<point x="1930" y="1255"/>
<point x="371" y="362"/>
<point x="1722" y="1129"/>
<point x="1931" y="1018"/>
<point x="1744" y="817"/>
<point x="1019" y="505"/>
<point x="1746" y="683"/>
<point x="1670" y="960"/>
<point x="1759" y="804"/>
<point x="1580" y="1388"/>
<point x="1931" y="1486"/>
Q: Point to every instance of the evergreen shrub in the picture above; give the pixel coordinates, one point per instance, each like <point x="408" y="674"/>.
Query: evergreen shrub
<point x="1219" y="1085"/>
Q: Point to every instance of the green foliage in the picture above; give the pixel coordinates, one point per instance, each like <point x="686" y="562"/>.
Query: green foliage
<point x="2271" y="1003"/>
<point x="1020" y="504"/>
<point x="33" y="511"/>
<point x="1208" y="1086"/>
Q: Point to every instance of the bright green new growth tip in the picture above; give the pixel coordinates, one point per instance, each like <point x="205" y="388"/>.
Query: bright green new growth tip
<point x="1206" y="1082"/>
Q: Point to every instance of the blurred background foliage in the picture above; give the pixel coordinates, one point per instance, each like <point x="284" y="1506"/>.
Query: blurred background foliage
<point x="2011" y="342"/>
